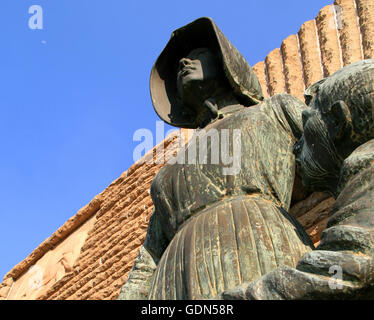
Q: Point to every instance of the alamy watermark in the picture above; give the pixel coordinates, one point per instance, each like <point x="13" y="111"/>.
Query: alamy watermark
<point x="336" y="280"/>
<point x="217" y="147"/>
<point x="337" y="20"/>
<point x="36" y="277"/>
<point x="36" y="20"/>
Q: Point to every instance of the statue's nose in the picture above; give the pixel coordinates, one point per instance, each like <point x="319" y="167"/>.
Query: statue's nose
<point x="184" y="62"/>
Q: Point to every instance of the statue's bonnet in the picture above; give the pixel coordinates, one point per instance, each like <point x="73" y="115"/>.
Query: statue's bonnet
<point x="201" y="33"/>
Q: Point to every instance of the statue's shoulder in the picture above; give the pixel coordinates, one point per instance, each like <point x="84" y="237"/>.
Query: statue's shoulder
<point x="288" y="103"/>
<point x="356" y="188"/>
<point x="360" y="160"/>
<point x="287" y="109"/>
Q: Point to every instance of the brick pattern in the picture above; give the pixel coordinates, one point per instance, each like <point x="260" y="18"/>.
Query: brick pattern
<point x="341" y="34"/>
<point x="349" y="32"/>
<point x="260" y="70"/>
<point x="114" y="242"/>
<point x="293" y="68"/>
<point x="122" y="212"/>
<point x="275" y="72"/>
<point x="310" y="52"/>
<point x="365" y="10"/>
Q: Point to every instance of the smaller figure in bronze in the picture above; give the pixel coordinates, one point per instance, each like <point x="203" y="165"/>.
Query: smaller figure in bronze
<point x="336" y="154"/>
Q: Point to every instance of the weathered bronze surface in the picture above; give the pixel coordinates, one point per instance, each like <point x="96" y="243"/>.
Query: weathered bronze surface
<point x="228" y="235"/>
<point x="211" y="231"/>
<point x="202" y="33"/>
<point x="336" y="153"/>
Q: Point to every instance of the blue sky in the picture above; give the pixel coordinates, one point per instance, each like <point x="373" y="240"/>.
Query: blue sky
<point x="73" y="94"/>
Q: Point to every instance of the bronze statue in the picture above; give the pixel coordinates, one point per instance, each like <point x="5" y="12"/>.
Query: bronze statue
<point x="212" y="232"/>
<point x="336" y="154"/>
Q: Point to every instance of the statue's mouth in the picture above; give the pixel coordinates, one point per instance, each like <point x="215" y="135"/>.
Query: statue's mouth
<point x="186" y="70"/>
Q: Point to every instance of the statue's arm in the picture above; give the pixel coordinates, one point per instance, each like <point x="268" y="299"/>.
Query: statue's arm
<point x="319" y="274"/>
<point x="287" y="111"/>
<point x="342" y="266"/>
<point x="140" y="278"/>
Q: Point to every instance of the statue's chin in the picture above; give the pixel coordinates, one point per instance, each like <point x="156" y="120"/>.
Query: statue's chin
<point x="193" y="94"/>
<point x="190" y="86"/>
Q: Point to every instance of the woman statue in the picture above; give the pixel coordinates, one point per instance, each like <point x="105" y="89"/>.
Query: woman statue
<point x="212" y="230"/>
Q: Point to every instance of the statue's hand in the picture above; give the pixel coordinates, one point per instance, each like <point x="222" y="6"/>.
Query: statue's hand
<point x="208" y="113"/>
<point x="211" y="105"/>
<point x="318" y="275"/>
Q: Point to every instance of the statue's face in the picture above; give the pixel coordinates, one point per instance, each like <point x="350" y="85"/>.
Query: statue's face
<point x="199" y="66"/>
<point x="316" y="154"/>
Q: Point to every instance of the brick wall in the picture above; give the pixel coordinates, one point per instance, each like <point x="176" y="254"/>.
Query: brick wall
<point x="341" y="34"/>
